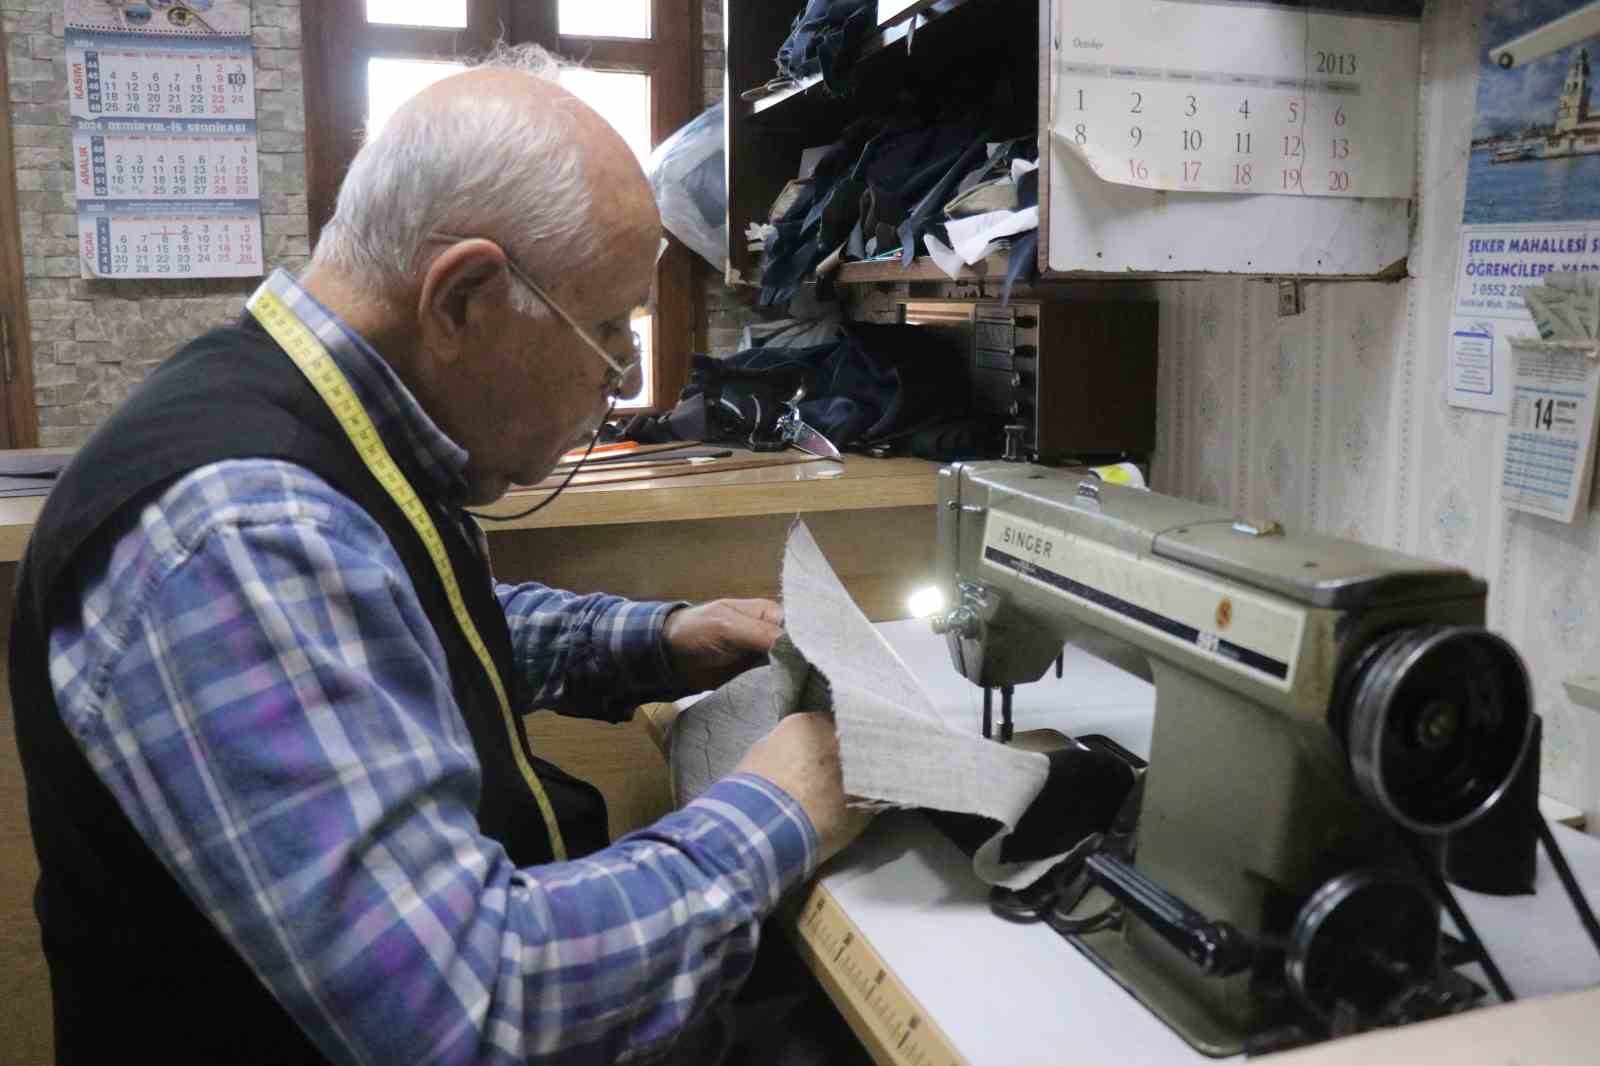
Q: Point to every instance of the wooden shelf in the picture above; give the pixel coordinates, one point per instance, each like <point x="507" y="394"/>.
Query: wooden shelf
<point x="903" y="26"/>
<point x="923" y="268"/>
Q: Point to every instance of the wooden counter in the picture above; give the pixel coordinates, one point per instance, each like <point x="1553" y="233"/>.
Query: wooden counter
<point x="805" y="487"/>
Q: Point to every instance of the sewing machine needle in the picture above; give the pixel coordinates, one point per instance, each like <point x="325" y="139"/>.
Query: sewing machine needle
<point x="1061" y="664"/>
<point x="988" y="711"/>
<point x="1005" y="713"/>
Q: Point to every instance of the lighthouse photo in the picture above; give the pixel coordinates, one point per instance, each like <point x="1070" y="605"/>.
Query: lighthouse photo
<point x="1536" y="140"/>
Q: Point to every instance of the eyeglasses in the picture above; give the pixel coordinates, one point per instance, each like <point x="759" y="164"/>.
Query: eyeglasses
<point x="618" y="370"/>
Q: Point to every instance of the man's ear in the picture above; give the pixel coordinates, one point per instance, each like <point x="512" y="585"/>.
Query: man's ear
<point x="460" y="286"/>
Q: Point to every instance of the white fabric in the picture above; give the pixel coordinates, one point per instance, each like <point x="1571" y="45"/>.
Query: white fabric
<point x="971" y="237"/>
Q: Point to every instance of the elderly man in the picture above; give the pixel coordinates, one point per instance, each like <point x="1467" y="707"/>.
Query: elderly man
<point x="265" y="685"/>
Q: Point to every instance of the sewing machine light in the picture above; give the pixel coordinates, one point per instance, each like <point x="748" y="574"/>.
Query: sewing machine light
<point x="926" y="602"/>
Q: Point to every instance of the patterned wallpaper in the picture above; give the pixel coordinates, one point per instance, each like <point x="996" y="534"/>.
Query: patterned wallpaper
<point x="1336" y="420"/>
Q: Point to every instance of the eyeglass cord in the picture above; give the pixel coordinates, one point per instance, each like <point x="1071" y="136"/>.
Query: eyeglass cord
<point x="542" y="504"/>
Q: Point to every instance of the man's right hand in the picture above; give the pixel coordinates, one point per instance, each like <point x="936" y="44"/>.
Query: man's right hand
<point x="801" y="756"/>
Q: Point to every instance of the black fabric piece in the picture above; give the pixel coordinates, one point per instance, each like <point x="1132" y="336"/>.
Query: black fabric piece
<point x="1024" y="260"/>
<point x="870" y="384"/>
<point x="824" y="40"/>
<point x="1081" y="796"/>
<point x="133" y="962"/>
<point x="891" y="194"/>
<point x="953" y="441"/>
<point x="874" y="170"/>
<point x="1028" y="190"/>
<point x="931" y="205"/>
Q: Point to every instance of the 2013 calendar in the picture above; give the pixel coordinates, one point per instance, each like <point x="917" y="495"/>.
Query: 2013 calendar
<point x="1248" y="98"/>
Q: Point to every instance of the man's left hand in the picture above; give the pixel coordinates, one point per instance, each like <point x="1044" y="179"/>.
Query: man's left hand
<point x="712" y="643"/>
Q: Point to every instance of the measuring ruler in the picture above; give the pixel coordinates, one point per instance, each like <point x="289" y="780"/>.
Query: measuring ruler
<point x="882" y="1012"/>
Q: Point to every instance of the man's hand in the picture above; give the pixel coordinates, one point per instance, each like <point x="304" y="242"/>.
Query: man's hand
<point x="801" y="756"/>
<point x="715" y="642"/>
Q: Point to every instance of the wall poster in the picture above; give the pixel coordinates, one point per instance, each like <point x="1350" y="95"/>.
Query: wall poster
<point x="1533" y="185"/>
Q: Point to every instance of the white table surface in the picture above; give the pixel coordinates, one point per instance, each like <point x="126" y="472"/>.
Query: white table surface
<point x="1011" y="995"/>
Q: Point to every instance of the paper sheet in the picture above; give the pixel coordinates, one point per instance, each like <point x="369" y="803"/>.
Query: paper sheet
<point x="896" y="750"/>
<point x="1241" y="98"/>
<point x="1550" y="435"/>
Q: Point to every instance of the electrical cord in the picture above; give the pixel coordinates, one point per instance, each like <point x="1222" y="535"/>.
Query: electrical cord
<point x="542" y="504"/>
<point x="1568" y="882"/>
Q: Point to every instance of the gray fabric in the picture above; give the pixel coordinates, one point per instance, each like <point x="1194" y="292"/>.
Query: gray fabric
<point x="896" y="750"/>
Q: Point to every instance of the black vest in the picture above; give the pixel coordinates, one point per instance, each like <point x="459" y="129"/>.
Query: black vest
<point x="136" y="970"/>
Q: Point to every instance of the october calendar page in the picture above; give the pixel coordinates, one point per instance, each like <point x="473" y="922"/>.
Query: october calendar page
<point x="1234" y="96"/>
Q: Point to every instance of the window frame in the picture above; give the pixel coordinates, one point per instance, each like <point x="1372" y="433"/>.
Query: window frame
<point x="338" y="41"/>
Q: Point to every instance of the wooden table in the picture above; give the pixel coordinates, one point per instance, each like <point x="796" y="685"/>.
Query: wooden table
<point x="692" y="538"/>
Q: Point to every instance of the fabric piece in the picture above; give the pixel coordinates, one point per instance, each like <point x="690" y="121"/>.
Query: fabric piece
<point x="944" y="256"/>
<point x="824" y="40"/>
<point x="896" y="750"/>
<point x="894" y="746"/>
<point x="972" y="237"/>
<point x="710" y="737"/>
<point x="873" y="382"/>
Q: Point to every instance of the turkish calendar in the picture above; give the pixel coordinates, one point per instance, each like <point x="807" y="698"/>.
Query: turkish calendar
<point x="164" y="140"/>
<point x="1550" y="434"/>
<point x="194" y="161"/>
<point x="1244" y="98"/>
<point x="170" y="241"/>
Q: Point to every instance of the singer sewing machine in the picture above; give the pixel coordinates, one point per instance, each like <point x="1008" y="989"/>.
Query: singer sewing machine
<point x="1326" y="713"/>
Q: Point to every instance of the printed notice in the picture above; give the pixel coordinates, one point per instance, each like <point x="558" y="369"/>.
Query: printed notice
<point x="1533" y="189"/>
<point x="162" y="96"/>
<point x="1241" y="97"/>
<point x="1472" y="359"/>
<point x="1549" y="460"/>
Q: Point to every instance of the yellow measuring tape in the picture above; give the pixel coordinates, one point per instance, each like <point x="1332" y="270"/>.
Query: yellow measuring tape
<point x="318" y="366"/>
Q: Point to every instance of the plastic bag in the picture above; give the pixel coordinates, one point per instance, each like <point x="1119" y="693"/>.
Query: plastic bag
<point x="686" y="172"/>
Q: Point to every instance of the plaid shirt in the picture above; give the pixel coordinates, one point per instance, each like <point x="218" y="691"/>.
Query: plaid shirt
<point x="249" y="670"/>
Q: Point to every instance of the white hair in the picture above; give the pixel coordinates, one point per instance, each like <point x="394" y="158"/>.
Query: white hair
<point x="478" y="166"/>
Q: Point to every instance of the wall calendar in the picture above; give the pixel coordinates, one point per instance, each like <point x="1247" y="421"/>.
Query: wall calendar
<point x="1220" y="96"/>
<point x="162" y="97"/>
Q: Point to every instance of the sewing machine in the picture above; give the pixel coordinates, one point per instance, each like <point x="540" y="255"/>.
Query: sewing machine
<point x="1326" y="715"/>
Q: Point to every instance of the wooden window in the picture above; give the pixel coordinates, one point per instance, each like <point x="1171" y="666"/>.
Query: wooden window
<point x="641" y="65"/>
<point x="19" y="421"/>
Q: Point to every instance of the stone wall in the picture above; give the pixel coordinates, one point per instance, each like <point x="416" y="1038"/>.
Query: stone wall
<point x="94" y="340"/>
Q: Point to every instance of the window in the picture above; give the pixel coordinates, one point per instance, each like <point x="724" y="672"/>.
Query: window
<point x="391" y="82"/>
<point x="640" y="65"/>
<point x="614" y="18"/>
<point x="451" y="14"/>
